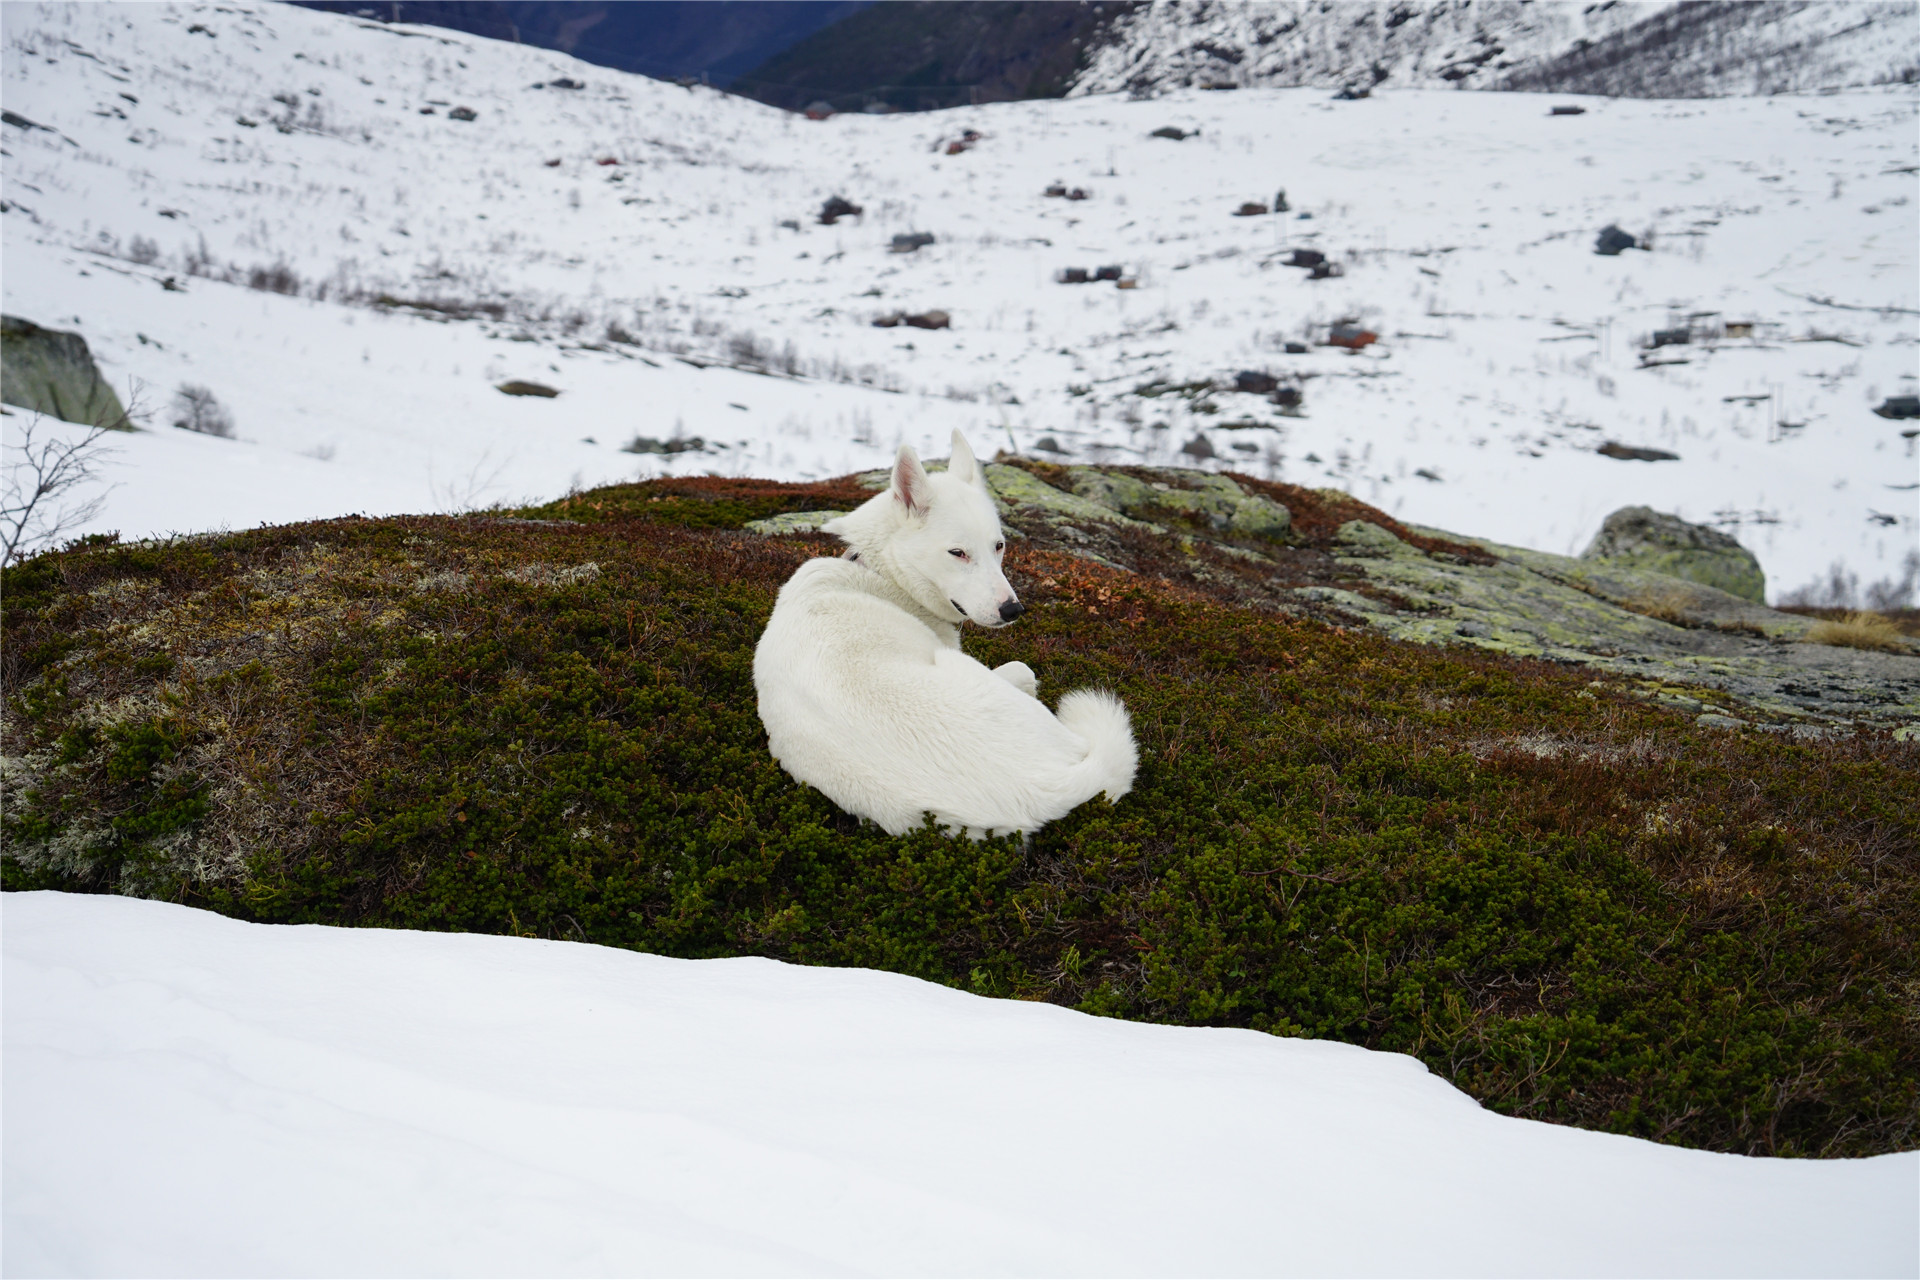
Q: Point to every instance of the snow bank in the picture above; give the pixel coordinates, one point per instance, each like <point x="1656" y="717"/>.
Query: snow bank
<point x="188" y="1095"/>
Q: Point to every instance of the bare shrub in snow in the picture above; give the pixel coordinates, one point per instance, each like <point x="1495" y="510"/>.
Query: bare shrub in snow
<point x="143" y="251"/>
<point x="1839" y="588"/>
<point x="196" y="408"/>
<point x="278" y="278"/>
<point x="198" y="259"/>
<point x="747" y="349"/>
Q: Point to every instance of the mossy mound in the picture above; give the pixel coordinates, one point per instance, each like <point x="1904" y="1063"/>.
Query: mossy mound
<point x="1577" y="906"/>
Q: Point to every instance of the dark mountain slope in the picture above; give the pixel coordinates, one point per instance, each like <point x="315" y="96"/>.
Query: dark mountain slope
<point x="663" y="38"/>
<point x="923" y="55"/>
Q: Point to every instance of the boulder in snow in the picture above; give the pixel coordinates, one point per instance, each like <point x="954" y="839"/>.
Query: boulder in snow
<point x="1612" y="240"/>
<point x="52" y="372"/>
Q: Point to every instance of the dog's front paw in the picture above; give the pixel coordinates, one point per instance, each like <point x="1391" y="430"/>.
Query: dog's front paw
<point x="1020" y="676"/>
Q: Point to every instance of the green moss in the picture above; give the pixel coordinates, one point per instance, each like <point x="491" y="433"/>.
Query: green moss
<point x="1575" y="905"/>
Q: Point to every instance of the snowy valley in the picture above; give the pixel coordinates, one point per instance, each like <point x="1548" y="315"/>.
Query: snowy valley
<point x="295" y="211"/>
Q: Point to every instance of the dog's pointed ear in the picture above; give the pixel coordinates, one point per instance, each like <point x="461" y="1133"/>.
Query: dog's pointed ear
<point x="910" y="482"/>
<point x="962" y="466"/>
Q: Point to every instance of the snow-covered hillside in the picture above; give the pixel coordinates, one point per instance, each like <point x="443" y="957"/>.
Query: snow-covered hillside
<point x="189" y="1095"/>
<point x="169" y="155"/>
<point x="1657" y="49"/>
<point x="1164" y="46"/>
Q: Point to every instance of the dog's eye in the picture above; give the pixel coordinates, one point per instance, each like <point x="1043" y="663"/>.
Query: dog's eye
<point x="956" y="551"/>
<point x="999" y="546"/>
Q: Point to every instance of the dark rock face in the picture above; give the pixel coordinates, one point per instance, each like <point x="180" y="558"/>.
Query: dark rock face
<point x="836" y="208"/>
<point x="520" y="387"/>
<point x="1642" y="538"/>
<point x="52" y="372"/>
<point x="1612" y="240"/>
<point x="1635" y="453"/>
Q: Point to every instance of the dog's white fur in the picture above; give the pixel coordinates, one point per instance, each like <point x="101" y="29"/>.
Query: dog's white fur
<point x="865" y="693"/>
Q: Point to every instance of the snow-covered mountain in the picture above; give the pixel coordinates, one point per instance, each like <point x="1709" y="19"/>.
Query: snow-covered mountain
<point x="1662" y="49"/>
<point x="291" y="209"/>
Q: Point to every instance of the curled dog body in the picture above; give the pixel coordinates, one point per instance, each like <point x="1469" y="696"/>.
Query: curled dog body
<point x="866" y="695"/>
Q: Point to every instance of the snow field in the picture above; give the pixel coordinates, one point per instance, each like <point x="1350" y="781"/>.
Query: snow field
<point x="190" y="1095"/>
<point x="1464" y="221"/>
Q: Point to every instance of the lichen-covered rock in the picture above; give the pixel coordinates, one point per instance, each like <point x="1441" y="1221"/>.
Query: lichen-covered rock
<point x="52" y="372"/>
<point x="1212" y="499"/>
<point x="1666" y="634"/>
<point x="1642" y="538"/>
<point x="791" y="522"/>
<point x="1020" y="489"/>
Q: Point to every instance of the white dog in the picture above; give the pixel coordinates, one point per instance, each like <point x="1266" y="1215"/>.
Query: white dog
<point x="866" y="695"/>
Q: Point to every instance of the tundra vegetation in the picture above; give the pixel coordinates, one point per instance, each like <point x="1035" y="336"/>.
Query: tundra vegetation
<point x="1577" y="904"/>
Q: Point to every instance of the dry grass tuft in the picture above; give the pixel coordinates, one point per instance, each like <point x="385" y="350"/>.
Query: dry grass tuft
<point x="1859" y="631"/>
<point x="1672" y="605"/>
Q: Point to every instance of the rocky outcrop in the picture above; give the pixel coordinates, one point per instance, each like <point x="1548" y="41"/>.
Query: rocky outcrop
<point x="52" y="372"/>
<point x="1687" y="642"/>
<point x="1642" y="538"/>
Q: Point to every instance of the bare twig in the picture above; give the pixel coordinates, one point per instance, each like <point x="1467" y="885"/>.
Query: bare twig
<point x="43" y="474"/>
<point x="1847" y="306"/>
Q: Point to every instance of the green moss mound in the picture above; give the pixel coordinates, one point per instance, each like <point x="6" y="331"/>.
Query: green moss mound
<point x="1574" y="905"/>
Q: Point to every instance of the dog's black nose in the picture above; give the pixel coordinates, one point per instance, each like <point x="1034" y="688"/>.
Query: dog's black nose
<point x="1011" y="610"/>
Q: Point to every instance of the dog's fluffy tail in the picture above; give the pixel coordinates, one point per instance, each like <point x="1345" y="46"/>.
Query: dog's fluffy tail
<point x="1101" y="719"/>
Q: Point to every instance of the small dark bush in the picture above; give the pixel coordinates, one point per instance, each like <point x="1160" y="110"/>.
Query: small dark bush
<point x="196" y="408"/>
<point x="278" y="278"/>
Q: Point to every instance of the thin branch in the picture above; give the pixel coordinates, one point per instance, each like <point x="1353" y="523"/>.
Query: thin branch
<point x="1847" y="306"/>
<point x="35" y="503"/>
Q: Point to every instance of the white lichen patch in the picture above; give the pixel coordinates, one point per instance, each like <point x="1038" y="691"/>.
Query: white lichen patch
<point x="539" y="574"/>
<point x="449" y="581"/>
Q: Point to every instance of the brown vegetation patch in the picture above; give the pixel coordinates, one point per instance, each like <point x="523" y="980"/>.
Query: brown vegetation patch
<point x="1905" y="621"/>
<point x="1319" y="513"/>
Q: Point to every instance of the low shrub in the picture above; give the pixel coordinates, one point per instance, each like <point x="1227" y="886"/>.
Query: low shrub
<point x="544" y="724"/>
<point x="196" y="408"/>
<point x="1854" y="629"/>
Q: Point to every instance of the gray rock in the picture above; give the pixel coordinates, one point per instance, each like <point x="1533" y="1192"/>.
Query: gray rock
<point x="52" y="372"/>
<point x="792" y="522"/>
<point x="1665" y="635"/>
<point x="1212" y="498"/>
<point x="1642" y="538"/>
